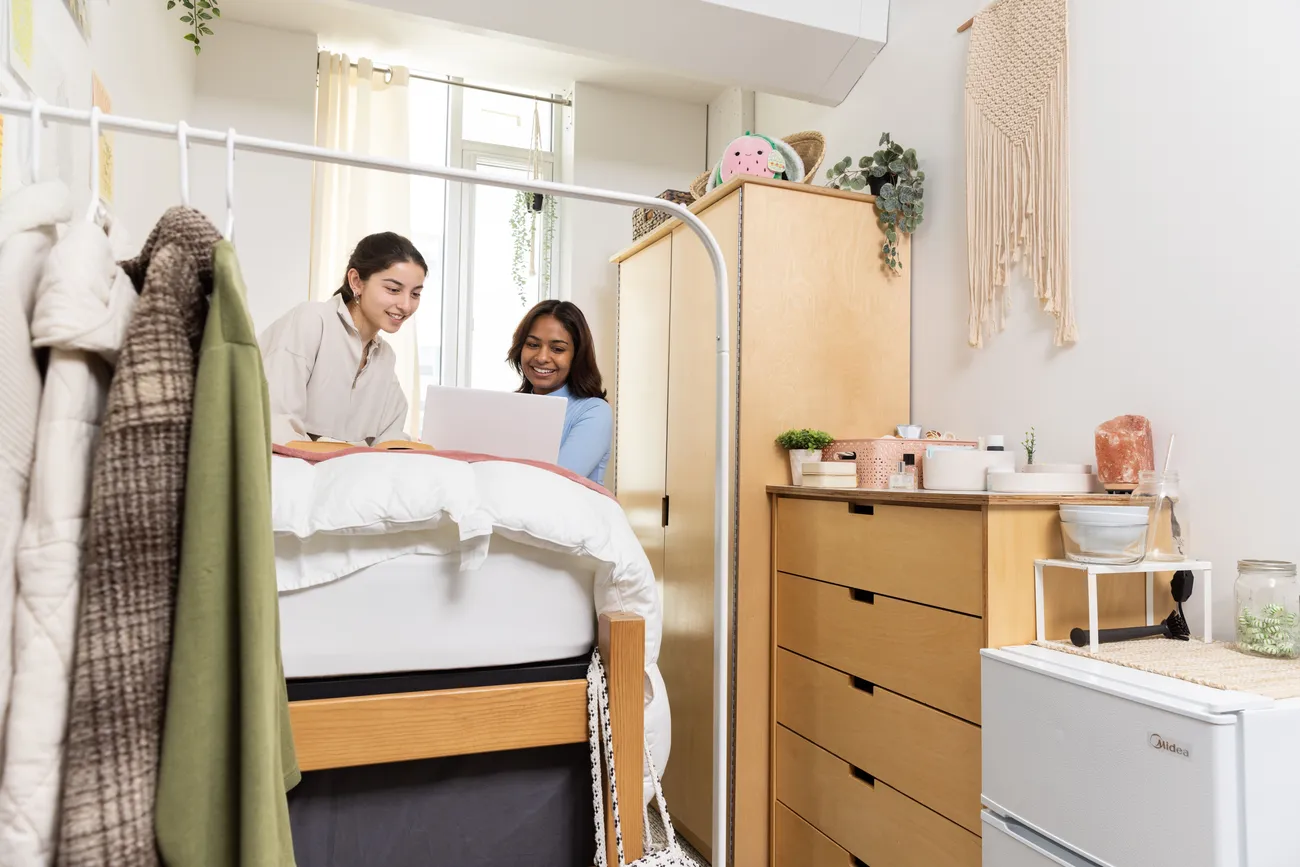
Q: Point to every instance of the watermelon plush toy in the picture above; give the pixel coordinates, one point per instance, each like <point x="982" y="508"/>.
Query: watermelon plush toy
<point x="757" y="155"/>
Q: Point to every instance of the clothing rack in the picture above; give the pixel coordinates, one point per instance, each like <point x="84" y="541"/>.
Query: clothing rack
<point x="39" y="113"/>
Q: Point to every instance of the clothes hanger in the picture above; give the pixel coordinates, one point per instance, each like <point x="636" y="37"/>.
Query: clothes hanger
<point x="34" y="143"/>
<point x="183" y="140"/>
<point x="230" y="184"/>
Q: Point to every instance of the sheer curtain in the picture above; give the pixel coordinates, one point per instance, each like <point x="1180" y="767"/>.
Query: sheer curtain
<point x="364" y="112"/>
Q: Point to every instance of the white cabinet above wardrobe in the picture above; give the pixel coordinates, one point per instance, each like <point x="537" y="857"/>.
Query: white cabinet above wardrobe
<point x="821" y="337"/>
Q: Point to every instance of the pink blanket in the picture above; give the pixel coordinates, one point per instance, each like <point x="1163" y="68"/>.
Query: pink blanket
<point x="468" y="457"/>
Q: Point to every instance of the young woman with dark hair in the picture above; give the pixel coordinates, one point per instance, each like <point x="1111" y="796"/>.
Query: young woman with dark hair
<point x="330" y="373"/>
<point x="553" y="353"/>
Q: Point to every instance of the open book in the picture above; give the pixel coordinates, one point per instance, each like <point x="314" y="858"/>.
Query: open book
<point x="335" y="446"/>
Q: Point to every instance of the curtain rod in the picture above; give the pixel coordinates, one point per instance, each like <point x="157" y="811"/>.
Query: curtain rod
<point x="722" y="562"/>
<point x="451" y="82"/>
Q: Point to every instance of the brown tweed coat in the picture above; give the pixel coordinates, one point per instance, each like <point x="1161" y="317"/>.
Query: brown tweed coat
<point x="132" y="556"/>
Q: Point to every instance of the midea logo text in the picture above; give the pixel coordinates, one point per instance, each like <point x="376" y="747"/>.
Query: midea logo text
<point x="1158" y="742"/>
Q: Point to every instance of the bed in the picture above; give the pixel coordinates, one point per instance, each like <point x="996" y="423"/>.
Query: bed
<point x="437" y="615"/>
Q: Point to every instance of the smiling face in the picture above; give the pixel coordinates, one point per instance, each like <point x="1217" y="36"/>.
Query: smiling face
<point x="547" y="354"/>
<point x="387" y="299"/>
<point x="751" y="155"/>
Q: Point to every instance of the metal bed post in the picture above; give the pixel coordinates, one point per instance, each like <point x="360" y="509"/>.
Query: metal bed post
<point x="39" y="112"/>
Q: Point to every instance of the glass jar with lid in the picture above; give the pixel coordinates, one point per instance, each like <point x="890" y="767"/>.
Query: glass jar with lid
<point x="1168" y="526"/>
<point x="1268" y="608"/>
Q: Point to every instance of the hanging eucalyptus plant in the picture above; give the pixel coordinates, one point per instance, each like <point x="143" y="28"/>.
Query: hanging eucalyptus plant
<point x="197" y="15"/>
<point x="532" y="228"/>
<point x="893" y="175"/>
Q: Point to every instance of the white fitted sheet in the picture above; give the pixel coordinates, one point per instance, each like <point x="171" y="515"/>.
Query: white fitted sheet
<point x="418" y="612"/>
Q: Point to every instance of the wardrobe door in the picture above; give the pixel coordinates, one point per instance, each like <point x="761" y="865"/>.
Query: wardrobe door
<point x="641" y="396"/>
<point x="686" y="659"/>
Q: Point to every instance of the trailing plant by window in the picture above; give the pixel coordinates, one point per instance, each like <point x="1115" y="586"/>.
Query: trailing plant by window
<point x="197" y="15"/>
<point x="894" y="177"/>
<point x="532" y="228"/>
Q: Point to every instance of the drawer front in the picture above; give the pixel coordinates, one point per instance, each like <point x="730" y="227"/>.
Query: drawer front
<point x="923" y="653"/>
<point x="921" y="752"/>
<point x="922" y="554"/>
<point x="799" y="844"/>
<point x="877" y="824"/>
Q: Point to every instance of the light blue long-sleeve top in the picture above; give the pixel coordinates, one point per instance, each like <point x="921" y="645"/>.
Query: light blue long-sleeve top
<point x="588" y="435"/>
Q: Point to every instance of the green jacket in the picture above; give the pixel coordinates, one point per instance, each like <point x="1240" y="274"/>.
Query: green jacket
<point x="227" y="750"/>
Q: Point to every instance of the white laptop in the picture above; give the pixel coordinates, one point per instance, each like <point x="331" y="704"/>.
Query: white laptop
<point x="500" y="423"/>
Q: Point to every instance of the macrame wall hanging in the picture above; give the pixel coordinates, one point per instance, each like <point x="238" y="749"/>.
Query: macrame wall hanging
<point x="1017" y="162"/>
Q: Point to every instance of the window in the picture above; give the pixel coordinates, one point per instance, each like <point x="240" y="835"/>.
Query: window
<point x="464" y="340"/>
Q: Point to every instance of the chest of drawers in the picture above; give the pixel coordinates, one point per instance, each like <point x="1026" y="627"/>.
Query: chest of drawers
<point x="881" y="603"/>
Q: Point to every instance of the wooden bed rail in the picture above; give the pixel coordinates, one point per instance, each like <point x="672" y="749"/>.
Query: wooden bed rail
<point x="401" y="727"/>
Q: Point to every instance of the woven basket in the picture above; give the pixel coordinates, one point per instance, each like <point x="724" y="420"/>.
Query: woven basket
<point x="645" y="220"/>
<point x="810" y="146"/>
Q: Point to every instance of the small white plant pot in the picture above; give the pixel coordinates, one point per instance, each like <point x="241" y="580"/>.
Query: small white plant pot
<point x="799" y="457"/>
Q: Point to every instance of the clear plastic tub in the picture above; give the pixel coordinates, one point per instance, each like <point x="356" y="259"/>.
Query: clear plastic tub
<point x="1108" y="544"/>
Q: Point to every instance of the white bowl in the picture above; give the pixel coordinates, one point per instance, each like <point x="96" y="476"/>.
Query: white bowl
<point x="963" y="469"/>
<point x="1043" y="483"/>
<point x="1067" y="469"/>
<point x="1105" y="515"/>
<point x="1115" y="546"/>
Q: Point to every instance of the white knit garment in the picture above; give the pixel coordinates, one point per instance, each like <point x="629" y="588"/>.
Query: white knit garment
<point x="1017" y="162"/>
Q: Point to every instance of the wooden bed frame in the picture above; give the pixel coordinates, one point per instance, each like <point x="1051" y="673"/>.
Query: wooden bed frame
<point x="378" y="729"/>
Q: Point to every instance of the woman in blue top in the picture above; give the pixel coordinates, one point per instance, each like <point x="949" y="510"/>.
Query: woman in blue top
<point x="552" y="352"/>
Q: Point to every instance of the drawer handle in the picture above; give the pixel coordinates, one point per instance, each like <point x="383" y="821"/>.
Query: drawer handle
<point x="863" y="685"/>
<point x="859" y="774"/>
<point x="864" y="596"/>
<point x="858" y="862"/>
<point x="861" y="509"/>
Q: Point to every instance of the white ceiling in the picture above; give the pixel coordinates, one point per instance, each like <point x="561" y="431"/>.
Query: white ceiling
<point x="389" y="36"/>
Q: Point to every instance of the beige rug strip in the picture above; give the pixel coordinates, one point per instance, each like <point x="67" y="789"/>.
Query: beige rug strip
<point x="1219" y="665"/>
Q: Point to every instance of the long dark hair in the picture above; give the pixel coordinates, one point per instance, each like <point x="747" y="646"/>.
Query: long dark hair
<point x="584" y="376"/>
<point x="375" y="253"/>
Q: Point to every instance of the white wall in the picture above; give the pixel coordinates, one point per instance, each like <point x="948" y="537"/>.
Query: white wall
<point x="262" y="82"/>
<point x="731" y="115"/>
<point x="136" y="47"/>
<point x="622" y="141"/>
<point x="1184" y="185"/>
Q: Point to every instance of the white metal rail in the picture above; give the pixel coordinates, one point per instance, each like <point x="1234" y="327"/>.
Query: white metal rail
<point x="185" y="135"/>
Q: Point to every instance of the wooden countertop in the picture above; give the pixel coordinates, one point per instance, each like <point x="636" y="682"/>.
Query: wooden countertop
<point x="944" y="498"/>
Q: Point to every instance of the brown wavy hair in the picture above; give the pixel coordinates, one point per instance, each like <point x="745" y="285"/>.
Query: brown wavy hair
<point x="584" y="376"/>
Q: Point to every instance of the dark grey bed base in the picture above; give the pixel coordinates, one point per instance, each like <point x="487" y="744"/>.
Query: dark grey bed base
<point x="523" y="807"/>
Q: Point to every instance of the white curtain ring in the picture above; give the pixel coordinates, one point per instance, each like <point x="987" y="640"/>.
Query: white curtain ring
<point x="183" y="140"/>
<point x="93" y="210"/>
<point x="230" y="184"/>
<point x="34" y="142"/>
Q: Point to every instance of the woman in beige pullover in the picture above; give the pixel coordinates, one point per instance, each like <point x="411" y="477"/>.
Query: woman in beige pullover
<point x="330" y="374"/>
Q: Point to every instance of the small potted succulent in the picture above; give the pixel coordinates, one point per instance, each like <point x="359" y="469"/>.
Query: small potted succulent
<point x="804" y="445"/>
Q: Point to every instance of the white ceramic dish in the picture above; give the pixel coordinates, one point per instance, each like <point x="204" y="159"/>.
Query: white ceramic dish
<point x="1069" y="469"/>
<point x="963" y="469"/>
<point x="1043" y="483"/>
<point x="1108" y="545"/>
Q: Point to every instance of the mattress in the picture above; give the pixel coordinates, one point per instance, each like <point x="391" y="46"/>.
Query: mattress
<point x="418" y="612"/>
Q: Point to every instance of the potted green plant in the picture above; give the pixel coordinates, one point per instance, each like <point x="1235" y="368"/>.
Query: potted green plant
<point x="197" y="16"/>
<point x="894" y="177"/>
<point x="804" y="445"/>
<point x="532" y="225"/>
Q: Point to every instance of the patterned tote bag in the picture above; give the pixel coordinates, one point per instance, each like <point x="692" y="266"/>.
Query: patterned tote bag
<point x="601" y="736"/>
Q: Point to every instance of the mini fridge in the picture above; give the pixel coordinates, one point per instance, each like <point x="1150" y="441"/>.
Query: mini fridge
<point x="1090" y="764"/>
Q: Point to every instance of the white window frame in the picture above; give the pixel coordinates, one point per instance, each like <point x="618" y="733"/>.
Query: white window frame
<point x="457" y="312"/>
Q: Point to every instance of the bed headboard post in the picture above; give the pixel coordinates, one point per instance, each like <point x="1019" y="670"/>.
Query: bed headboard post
<point x="622" y="647"/>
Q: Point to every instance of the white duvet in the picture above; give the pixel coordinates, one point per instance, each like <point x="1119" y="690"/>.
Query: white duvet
<point x="392" y="504"/>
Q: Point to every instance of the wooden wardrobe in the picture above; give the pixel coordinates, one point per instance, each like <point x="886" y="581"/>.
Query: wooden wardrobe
<point x="821" y="336"/>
